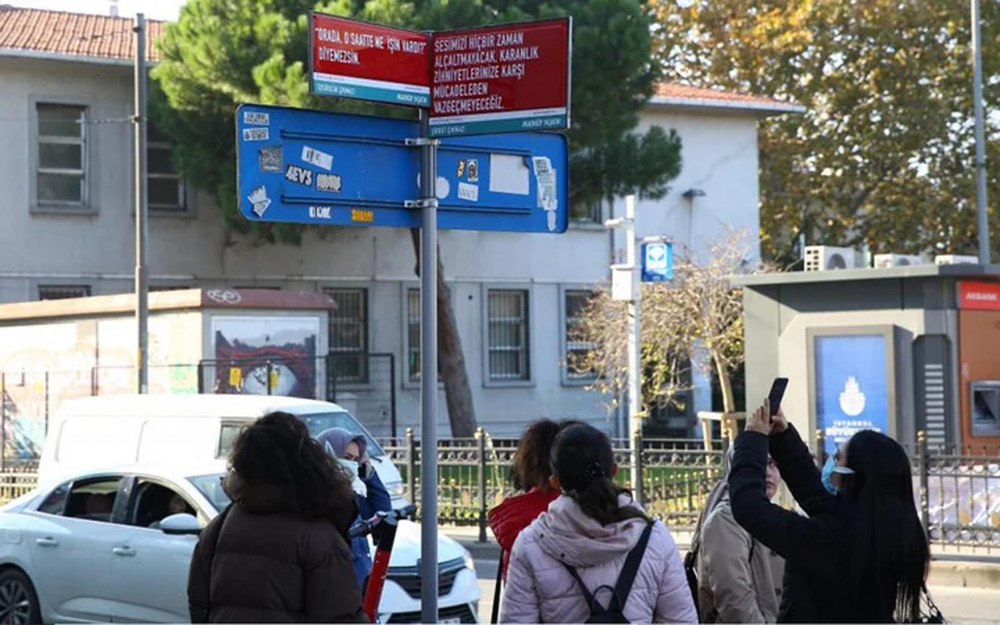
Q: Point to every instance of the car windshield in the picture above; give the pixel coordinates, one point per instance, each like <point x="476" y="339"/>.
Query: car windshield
<point x="317" y="423"/>
<point x="211" y="487"/>
<point x="321" y="421"/>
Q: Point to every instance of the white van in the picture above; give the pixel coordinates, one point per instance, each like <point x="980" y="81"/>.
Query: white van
<point x="181" y="430"/>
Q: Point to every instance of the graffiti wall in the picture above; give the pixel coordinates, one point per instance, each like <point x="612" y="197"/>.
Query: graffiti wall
<point x="256" y="354"/>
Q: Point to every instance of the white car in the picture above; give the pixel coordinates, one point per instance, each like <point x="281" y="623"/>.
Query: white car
<point x="102" y="546"/>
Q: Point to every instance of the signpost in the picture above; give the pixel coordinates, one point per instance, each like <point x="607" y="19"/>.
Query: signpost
<point x="311" y="167"/>
<point x="508" y="78"/>
<point x="352" y="59"/>
<point x="657" y="261"/>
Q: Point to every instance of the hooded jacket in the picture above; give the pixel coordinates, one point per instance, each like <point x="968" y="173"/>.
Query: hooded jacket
<point x="376" y="497"/>
<point x="540" y="590"/>
<point x="263" y="562"/>
<point x="509" y="519"/>
<point x="739" y="579"/>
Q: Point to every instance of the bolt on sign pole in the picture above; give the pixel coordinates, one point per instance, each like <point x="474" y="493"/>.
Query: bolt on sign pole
<point x="428" y="375"/>
<point x="141" y="208"/>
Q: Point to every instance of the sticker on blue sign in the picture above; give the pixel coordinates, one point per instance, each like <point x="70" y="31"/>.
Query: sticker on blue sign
<point x="269" y="159"/>
<point x="256" y="118"/>
<point x="468" y="192"/>
<point x="317" y="158"/>
<point x="258" y="198"/>
<point x="256" y="134"/>
<point x="330" y="183"/>
<point x="299" y="175"/>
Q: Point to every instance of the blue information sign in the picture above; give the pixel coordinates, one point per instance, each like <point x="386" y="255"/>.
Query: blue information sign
<point x="852" y="387"/>
<point x="657" y="262"/>
<point x="302" y="166"/>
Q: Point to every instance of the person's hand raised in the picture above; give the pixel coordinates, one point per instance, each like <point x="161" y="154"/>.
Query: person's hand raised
<point x="760" y="422"/>
<point x="778" y="422"/>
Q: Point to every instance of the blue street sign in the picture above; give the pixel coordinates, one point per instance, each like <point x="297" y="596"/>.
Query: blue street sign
<point x="311" y="167"/>
<point x="657" y="262"/>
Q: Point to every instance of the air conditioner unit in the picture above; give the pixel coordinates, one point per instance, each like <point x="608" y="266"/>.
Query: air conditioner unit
<point x="887" y="261"/>
<point x="956" y="259"/>
<point x="824" y="258"/>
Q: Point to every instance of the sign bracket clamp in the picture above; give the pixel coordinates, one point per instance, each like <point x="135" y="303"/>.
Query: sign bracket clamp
<point x="419" y="142"/>
<point x="423" y="203"/>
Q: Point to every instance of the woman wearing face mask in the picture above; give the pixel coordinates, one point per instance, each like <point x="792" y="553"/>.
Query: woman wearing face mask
<point x="862" y="555"/>
<point x="352" y="451"/>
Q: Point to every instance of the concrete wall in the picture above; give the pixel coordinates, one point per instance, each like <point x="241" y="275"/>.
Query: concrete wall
<point x="97" y="250"/>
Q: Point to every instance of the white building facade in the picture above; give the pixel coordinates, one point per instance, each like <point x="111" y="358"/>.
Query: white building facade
<point x="68" y="228"/>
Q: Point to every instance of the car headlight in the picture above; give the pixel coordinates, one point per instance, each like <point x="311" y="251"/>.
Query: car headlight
<point x="469" y="562"/>
<point x="396" y="489"/>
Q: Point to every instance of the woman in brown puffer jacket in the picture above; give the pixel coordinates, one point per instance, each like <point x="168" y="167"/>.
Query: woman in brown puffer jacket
<point x="280" y="553"/>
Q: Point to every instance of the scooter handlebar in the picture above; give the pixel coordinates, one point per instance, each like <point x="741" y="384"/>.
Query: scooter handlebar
<point x="365" y="527"/>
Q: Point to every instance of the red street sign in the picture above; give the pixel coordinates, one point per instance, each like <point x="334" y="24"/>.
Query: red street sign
<point x="501" y="78"/>
<point x="352" y="59"/>
<point x="979" y="295"/>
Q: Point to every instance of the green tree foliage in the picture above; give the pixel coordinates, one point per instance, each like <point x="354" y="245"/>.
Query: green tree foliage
<point x="885" y="153"/>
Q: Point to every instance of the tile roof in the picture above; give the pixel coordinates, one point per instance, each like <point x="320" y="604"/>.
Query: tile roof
<point x="669" y="93"/>
<point x="73" y="34"/>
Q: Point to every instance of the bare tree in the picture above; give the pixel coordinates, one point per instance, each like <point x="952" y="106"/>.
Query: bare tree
<point x="699" y="309"/>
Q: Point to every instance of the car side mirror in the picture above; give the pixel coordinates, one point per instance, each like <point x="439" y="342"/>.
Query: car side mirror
<point x="180" y="525"/>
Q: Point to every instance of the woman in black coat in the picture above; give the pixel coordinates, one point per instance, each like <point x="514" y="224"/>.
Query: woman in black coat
<point x="861" y="556"/>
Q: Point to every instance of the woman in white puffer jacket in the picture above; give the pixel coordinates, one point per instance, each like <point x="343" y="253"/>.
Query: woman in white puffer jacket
<point x="592" y="527"/>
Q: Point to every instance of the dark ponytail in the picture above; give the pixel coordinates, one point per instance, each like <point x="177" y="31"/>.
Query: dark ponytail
<point x="584" y="463"/>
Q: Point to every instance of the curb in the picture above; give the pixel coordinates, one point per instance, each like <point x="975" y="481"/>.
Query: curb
<point x="964" y="573"/>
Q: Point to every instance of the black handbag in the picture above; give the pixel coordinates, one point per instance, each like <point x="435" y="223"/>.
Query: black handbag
<point x="929" y="612"/>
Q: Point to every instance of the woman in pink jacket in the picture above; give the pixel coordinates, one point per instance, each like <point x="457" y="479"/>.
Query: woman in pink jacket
<point x="580" y="546"/>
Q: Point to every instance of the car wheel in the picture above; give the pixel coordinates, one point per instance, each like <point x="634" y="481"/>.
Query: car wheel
<point x="18" y="601"/>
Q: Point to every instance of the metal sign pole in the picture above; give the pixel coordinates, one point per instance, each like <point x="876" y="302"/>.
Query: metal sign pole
<point x="141" y="208"/>
<point x="428" y="376"/>
<point x="977" y="94"/>
<point x="634" y="345"/>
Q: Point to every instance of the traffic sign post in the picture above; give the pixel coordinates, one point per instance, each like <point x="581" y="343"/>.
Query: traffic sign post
<point x="657" y="260"/>
<point x="508" y="78"/>
<point x="311" y="167"/>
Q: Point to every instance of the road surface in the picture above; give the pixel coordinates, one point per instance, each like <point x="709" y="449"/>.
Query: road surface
<point x="959" y="605"/>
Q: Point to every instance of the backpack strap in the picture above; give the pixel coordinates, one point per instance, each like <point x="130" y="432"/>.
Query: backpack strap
<point x="589" y="596"/>
<point x="627" y="576"/>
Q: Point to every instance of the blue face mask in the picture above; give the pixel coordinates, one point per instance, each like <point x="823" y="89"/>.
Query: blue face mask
<point x="827" y="475"/>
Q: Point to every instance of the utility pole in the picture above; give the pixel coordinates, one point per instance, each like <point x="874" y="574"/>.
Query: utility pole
<point x="141" y="208"/>
<point x="977" y="94"/>
<point x="627" y="286"/>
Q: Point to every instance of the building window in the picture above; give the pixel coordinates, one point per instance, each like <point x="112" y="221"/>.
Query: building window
<point x="349" y="334"/>
<point x="61" y="171"/>
<point x="62" y="292"/>
<point x="507" y="312"/>
<point x="413" y="334"/>
<point x="577" y="351"/>
<point x="165" y="187"/>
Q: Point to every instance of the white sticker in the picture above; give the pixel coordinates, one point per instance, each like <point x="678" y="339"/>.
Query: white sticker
<point x="258" y="197"/>
<point x="331" y="183"/>
<point x="257" y="119"/>
<point x="468" y="192"/>
<point x="509" y="174"/>
<point x="473" y="169"/>
<point x="256" y="134"/>
<point x="317" y="158"/>
<point x="552" y="220"/>
<point x="546" y="177"/>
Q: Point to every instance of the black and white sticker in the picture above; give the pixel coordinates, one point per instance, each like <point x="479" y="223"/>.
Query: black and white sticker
<point x="468" y="192"/>
<point x="269" y="158"/>
<point x="473" y="168"/>
<point x="331" y="183"/>
<point x="317" y="158"/>
<point x="545" y="176"/>
<point x="258" y="198"/>
<point x="256" y="134"/>
<point x="256" y="118"/>
<point x="299" y="175"/>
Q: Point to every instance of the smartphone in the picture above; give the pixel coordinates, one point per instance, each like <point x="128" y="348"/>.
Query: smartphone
<point x="777" y="394"/>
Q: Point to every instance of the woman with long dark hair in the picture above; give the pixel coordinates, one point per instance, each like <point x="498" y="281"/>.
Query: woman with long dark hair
<point x="862" y="554"/>
<point x="280" y="552"/>
<point x="572" y="562"/>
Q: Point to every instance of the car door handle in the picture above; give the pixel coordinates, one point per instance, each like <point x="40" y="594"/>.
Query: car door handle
<point x="125" y="552"/>
<point x="48" y="541"/>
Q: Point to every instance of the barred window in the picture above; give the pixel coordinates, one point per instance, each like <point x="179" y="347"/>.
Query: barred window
<point x="165" y="187"/>
<point x="61" y="169"/>
<point x="413" y="334"/>
<point x="349" y="334"/>
<point x="62" y="292"/>
<point x="577" y="350"/>
<point x="508" y="335"/>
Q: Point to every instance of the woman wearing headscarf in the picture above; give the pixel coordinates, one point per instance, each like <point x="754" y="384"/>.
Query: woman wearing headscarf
<point x="352" y="451"/>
